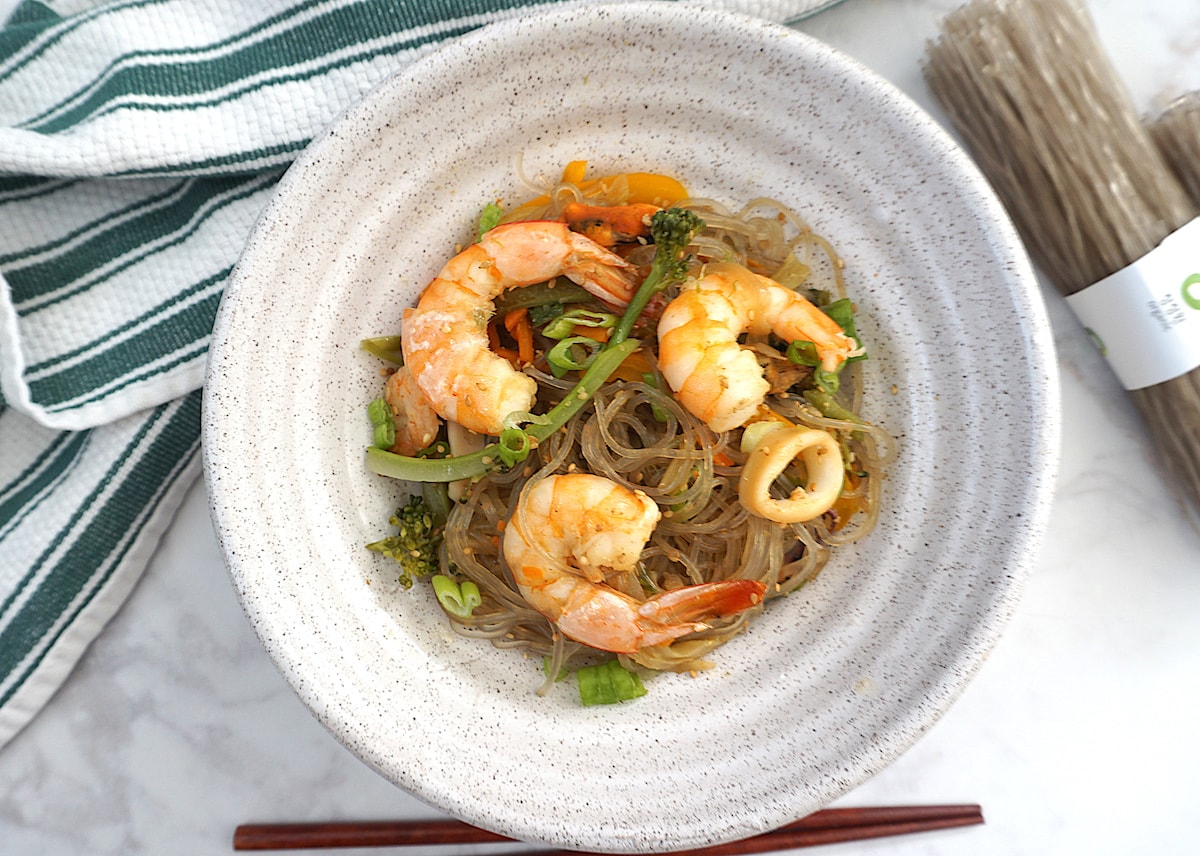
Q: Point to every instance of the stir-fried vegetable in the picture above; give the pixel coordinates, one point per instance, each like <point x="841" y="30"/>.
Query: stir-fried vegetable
<point x="489" y="219"/>
<point x="803" y="353"/>
<point x="672" y="230"/>
<point x="387" y="348"/>
<point x="458" y="599"/>
<point x="416" y="542"/>
<point x="629" y="187"/>
<point x="383" y="426"/>
<point x="607" y="683"/>
<point x="568" y="323"/>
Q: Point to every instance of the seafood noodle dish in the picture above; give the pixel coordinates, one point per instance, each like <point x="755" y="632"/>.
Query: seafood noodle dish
<point x="631" y="420"/>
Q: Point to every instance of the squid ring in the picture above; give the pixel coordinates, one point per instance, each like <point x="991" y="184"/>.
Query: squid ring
<point x="822" y="462"/>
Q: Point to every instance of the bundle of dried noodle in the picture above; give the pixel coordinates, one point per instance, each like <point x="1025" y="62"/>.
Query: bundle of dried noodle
<point x="1042" y="111"/>
<point x="1177" y="133"/>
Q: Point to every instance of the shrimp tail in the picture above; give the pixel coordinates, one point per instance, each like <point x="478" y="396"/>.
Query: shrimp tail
<point x="610" y="621"/>
<point x="604" y="274"/>
<point x="698" y="603"/>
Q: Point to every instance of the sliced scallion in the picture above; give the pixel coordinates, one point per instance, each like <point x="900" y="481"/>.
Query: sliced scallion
<point x="566" y="323"/>
<point x="656" y="410"/>
<point x="383" y="426"/>
<point x="562" y="671"/>
<point x="513" y="446"/>
<point x="457" y="599"/>
<point x="828" y="406"/>
<point x="572" y="354"/>
<point x="607" y="683"/>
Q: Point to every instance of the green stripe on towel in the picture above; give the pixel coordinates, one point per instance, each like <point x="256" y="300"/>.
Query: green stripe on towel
<point x="22" y="496"/>
<point x="82" y="265"/>
<point x="80" y="558"/>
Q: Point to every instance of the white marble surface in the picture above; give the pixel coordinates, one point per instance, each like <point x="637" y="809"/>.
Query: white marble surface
<point x="1077" y="737"/>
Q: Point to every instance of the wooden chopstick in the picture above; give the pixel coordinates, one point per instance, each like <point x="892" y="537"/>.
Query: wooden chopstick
<point x="823" y="827"/>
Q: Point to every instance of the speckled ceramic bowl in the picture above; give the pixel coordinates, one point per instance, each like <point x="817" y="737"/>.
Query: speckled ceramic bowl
<point x="828" y="686"/>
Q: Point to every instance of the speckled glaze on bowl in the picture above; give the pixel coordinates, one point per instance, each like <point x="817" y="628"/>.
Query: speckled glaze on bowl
<point x="828" y="686"/>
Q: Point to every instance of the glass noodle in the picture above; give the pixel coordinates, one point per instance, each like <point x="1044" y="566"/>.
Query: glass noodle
<point x="639" y="436"/>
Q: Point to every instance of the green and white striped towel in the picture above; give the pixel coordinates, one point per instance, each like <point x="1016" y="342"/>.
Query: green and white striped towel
<point x="139" y="139"/>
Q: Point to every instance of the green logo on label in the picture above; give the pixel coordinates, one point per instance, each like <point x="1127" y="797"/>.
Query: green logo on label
<point x="1189" y="298"/>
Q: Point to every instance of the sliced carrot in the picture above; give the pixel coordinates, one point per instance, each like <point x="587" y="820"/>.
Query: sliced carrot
<point x="509" y="354"/>
<point x="525" y="342"/>
<point x="610" y="224"/>
<point x="722" y="460"/>
<point x="600" y="334"/>
<point x="517" y="323"/>
<point x="513" y="317"/>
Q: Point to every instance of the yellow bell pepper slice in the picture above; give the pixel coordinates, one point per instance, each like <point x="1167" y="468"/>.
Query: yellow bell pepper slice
<point x="645" y="187"/>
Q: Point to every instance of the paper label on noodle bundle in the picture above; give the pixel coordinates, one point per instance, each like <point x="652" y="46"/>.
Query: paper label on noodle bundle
<point x="1145" y="318"/>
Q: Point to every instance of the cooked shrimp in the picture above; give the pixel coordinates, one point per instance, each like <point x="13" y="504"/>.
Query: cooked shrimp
<point x="445" y="336"/>
<point x="569" y="532"/>
<point x="713" y="376"/>
<point x="416" y="421"/>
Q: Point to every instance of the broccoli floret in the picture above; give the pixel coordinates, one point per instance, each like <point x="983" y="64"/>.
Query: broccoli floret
<point x="672" y="230"/>
<point x="415" y="544"/>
